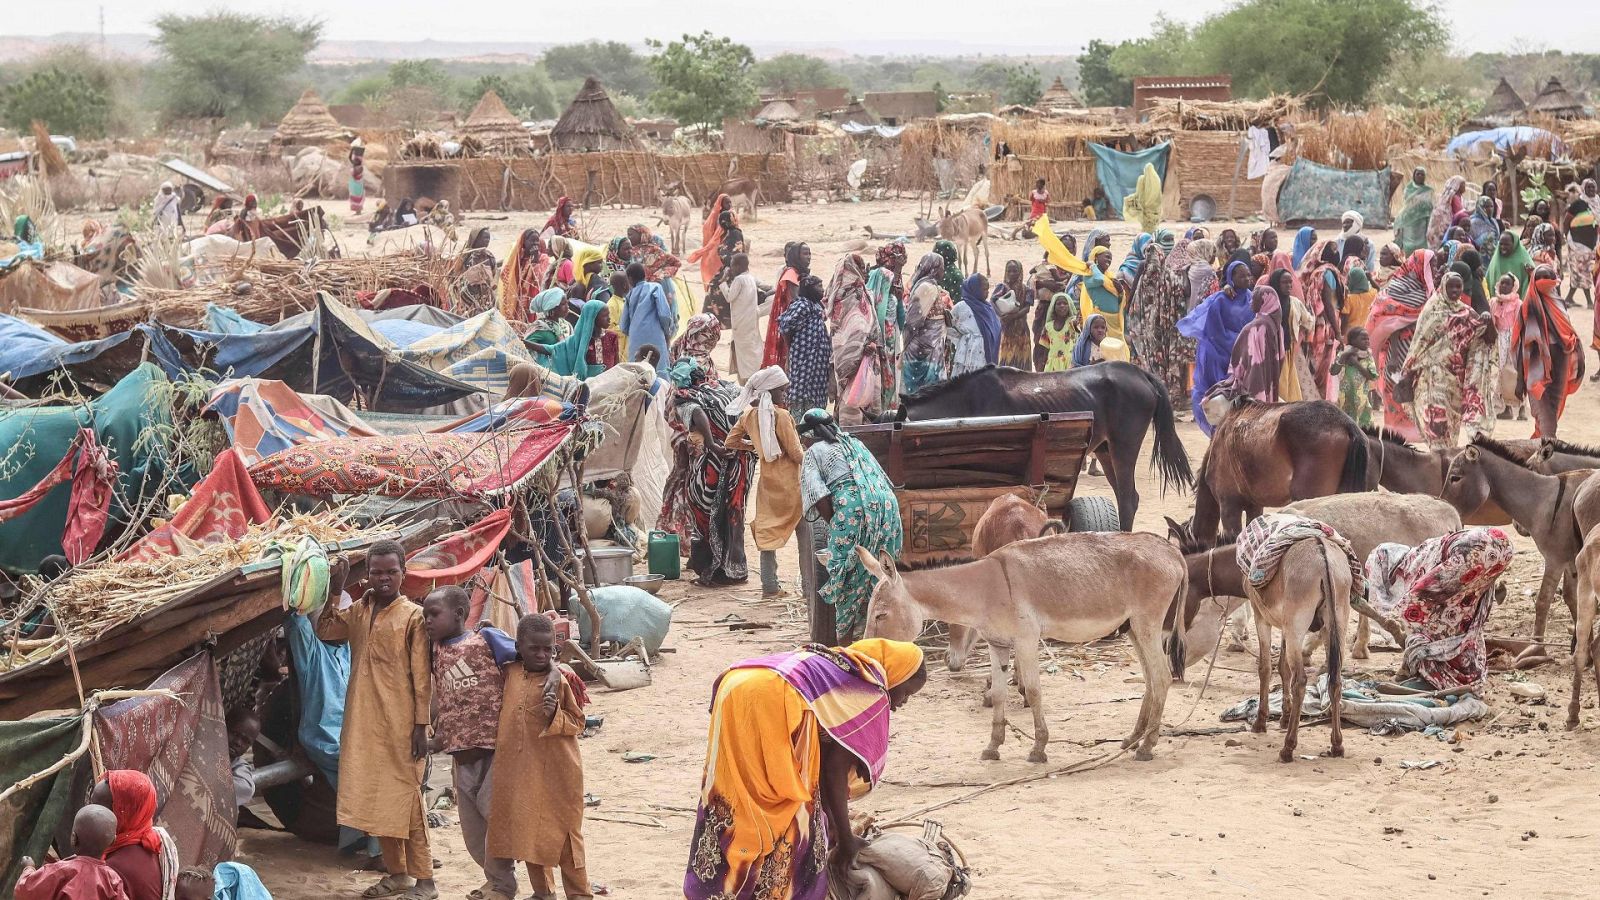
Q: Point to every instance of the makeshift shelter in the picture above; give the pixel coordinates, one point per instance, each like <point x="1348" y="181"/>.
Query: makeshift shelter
<point x="900" y="107"/>
<point x="1318" y="195"/>
<point x="309" y="124"/>
<point x="1523" y="139"/>
<point x="592" y="123"/>
<point x="492" y="125"/>
<point x="1554" y="100"/>
<point x="856" y="114"/>
<point x="1057" y="98"/>
<point x="1504" y="102"/>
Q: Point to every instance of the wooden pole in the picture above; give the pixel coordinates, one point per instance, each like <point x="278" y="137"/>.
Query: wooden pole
<point x="824" y="628"/>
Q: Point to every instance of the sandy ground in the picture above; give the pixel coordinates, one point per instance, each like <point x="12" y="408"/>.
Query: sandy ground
<point x="1509" y="812"/>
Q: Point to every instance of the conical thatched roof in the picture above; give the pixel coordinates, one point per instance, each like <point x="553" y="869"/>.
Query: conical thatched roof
<point x="1057" y="97"/>
<point x="309" y="123"/>
<point x="779" y="111"/>
<point x="493" y="125"/>
<point x="857" y="113"/>
<point x="591" y="122"/>
<point x="1555" y="100"/>
<point x="1504" y="101"/>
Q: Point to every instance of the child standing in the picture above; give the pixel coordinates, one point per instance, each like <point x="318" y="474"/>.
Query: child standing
<point x="467" y="686"/>
<point x="1506" y="307"/>
<point x="537" y="815"/>
<point x="1358" y="377"/>
<point x="82" y="877"/>
<point x="766" y="428"/>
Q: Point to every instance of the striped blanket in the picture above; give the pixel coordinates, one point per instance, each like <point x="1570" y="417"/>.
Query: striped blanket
<point x="848" y="702"/>
<point x="1267" y="538"/>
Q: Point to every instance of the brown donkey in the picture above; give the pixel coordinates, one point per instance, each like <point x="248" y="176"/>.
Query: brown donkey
<point x="1071" y="587"/>
<point x="1008" y="519"/>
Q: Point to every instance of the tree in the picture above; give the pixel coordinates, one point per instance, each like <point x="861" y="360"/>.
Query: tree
<point x="68" y="92"/>
<point x="526" y="91"/>
<point x="423" y="73"/>
<point x="227" y="65"/>
<point x="790" y="72"/>
<point x="618" y="66"/>
<point x="1102" y="85"/>
<point x="1022" y="85"/>
<point x="703" y="79"/>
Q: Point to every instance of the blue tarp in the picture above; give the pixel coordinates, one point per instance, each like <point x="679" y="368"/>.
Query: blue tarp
<point x="1320" y="194"/>
<point x="27" y="350"/>
<point x="1119" y="171"/>
<point x="1506" y="138"/>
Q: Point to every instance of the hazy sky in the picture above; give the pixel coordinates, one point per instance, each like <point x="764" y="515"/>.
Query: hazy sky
<point x="989" y="25"/>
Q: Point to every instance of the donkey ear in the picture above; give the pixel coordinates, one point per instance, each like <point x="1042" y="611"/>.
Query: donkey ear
<point x="1547" y="449"/>
<point x="1173" y="528"/>
<point x="1470" y="454"/>
<point x="871" y="562"/>
<point x="887" y="562"/>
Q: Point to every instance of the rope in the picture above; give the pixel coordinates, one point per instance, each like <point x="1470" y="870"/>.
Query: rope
<point x="1084" y="765"/>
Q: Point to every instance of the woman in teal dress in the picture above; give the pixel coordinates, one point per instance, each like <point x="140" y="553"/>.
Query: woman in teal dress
<point x="842" y="485"/>
<point x="572" y="356"/>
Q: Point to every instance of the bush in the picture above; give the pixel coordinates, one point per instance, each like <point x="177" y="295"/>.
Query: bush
<point x="68" y="102"/>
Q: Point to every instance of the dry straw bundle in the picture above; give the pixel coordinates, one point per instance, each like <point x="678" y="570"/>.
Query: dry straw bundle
<point x="1221" y="115"/>
<point x="1059" y="139"/>
<point x="93" y="599"/>
<point x="268" y="291"/>
<point x="1356" y="139"/>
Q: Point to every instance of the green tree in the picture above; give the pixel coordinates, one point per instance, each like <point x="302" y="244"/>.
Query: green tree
<point x="423" y="73"/>
<point x="1022" y="85"/>
<point x="790" y="72"/>
<point x="67" y="98"/>
<point x="1102" y="85"/>
<point x="618" y="66"/>
<point x="526" y="91"/>
<point x="702" y="79"/>
<point x="366" y="89"/>
<point x="227" y="65"/>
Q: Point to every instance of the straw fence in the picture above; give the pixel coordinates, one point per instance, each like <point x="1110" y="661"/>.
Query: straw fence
<point x="1204" y="162"/>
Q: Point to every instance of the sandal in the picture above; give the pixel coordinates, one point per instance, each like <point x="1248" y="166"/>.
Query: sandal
<point x="388" y="886"/>
<point x="481" y="892"/>
<point x="418" y="892"/>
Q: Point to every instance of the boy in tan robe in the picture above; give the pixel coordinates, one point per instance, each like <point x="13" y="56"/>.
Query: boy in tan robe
<point x="765" y="428"/>
<point x="536" y="811"/>
<point x="384" y="744"/>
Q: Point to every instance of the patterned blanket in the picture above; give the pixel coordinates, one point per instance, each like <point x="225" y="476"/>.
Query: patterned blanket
<point x="1267" y="538"/>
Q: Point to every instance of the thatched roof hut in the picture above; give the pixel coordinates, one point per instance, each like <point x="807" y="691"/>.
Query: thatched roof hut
<point x="1555" y="101"/>
<point x="1504" y="101"/>
<point x="309" y="124"/>
<point x="492" y="125"/>
<point x="1058" y="98"/>
<point x="778" y="111"/>
<point x="855" y="113"/>
<point x="592" y="123"/>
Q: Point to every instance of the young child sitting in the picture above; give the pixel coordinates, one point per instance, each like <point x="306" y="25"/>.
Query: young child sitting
<point x="84" y="876"/>
<point x="1358" y="377"/>
<point x="536" y="814"/>
<point x="467" y="686"/>
<point x="228" y="881"/>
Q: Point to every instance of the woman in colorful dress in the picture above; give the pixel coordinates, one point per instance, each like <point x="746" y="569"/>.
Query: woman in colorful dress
<point x="358" y="173"/>
<point x="706" y="494"/>
<point x="1013" y="300"/>
<point x="1161" y="300"/>
<point x="523" y="277"/>
<point x="577" y="355"/>
<point x="1100" y="292"/>
<point x="1582" y="228"/>
<point x="789" y="734"/>
<point x="560" y="223"/>
<point x="1215" y="325"/>
<point x="1322" y="288"/>
<point x="796" y="266"/>
<point x="1549" y="356"/>
<point x="1416" y="210"/>
<point x="844" y="488"/>
<point x="886" y="287"/>
<point x="1257" y="358"/>
<point x="810" y="350"/>
<point x="855" y="326"/>
<point x="927" y="308"/>
<point x="1391" y="325"/>
<point x="1059" y="337"/>
<point x="950" y="279"/>
<point x="1440" y="593"/>
<point x="1453" y="368"/>
<point x="1445" y="210"/>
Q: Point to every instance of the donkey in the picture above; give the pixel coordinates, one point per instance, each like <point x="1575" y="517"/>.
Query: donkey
<point x="1071" y="587"/>
<point x="1487" y="470"/>
<point x="1371" y="518"/>
<point x="1396" y="466"/>
<point x="1008" y="519"/>
<point x="1300" y="593"/>
<point x="744" y="194"/>
<point x="969" y="230"/>
<point x="676" y="214"/>
<point x="1586" y="649"/>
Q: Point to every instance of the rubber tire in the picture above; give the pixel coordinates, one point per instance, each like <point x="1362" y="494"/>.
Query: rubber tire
<point x="1093" y="514"/>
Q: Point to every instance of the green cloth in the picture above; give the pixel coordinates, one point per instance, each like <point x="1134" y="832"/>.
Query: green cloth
<point x="1143" y="206"/>
<point x="571" y="356"/>
<point x="1411" y="226"/>
<point x="1357" y="281"/>
<point x="32" y="816"/>
<point x="1515" y="265"/>
<point x="33" y="441"/>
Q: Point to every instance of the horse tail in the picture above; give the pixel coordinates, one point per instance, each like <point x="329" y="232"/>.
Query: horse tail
<point x="1168" y="456"/>
<point x="1353" y="477"/>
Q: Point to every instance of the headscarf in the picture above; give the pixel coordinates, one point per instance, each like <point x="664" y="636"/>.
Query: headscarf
<point x="1165" y="239"/>
<point x="164" y="201"/>
<point x="1356" y="280"/>
<point x="582" y="256"/>
<point x="699" y="338"/>
<point x="1204" y="251"/>
<point x="561" y="217"/>
<point x="1303" y="239"/>
<point x="892" y="258"/>
<point x="26" y="232"/>
<point x="951" y="279"/>
<point x="571" y="355"/>
<point x="1083" y="349"/>
<point x="1471" y="283"/>
<point x="133" y="802"/>
<point x="758" y="390"/>
<point x="1354" y="228"/>
<point x="1143" y="206"/>
<point x="683" y="372"/>
<point x="1484" y="227"/>
<point x="615" y="261"/>
<point x="977" y="300"/>
<point x="896" y="661"/>
<point x="929" y="268"/>
<point x="1135" y="258"/>
<point x="1517" y="263"/>
<point x="1095" y="236"/>
<point x="547" y="300"/>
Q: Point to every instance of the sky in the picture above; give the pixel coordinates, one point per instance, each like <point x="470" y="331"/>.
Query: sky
<point x="940" y="26"/>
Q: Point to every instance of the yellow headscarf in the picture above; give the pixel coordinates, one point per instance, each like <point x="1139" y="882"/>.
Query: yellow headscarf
<point x="898" y="660"/>
<point x="582" y="255"/>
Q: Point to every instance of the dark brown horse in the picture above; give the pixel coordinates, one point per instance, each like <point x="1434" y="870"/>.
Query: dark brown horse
<point x="1272" y="455"/>
<point x="290" y="232"/>
<point x="1125" y="401"/>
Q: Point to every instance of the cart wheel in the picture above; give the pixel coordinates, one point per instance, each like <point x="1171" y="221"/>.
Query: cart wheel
<point x="193" y="197"/>
<point x="1092" y="514"/>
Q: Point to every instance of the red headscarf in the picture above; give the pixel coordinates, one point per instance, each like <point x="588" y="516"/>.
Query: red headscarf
<point x="133" y="802"/>
<point x="560" y="220"/>
<point x="1541" y="307"/>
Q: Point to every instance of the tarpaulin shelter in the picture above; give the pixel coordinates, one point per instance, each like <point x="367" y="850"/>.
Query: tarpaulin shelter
<point x="29" y="818"/>
<point x="36" y="438"/>
<point x="1315" y="194"/>
<point x="1119" y="171"/>
<point x="1505" y="139"/>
